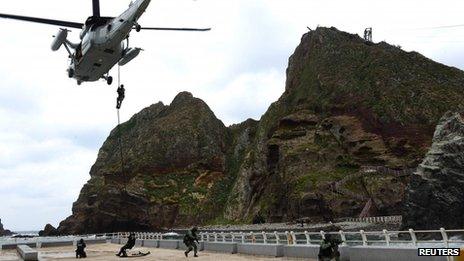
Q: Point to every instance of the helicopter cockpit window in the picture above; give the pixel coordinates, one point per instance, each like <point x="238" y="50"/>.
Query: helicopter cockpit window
<point x="94" y="22"/>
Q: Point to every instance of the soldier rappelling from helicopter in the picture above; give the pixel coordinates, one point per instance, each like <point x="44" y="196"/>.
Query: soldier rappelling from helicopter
<point x="121" y="95"/>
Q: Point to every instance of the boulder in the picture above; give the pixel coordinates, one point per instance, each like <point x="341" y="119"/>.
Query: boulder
<point x="48" y="231"/>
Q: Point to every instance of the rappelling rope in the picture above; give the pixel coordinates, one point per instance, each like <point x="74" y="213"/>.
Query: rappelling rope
<point x="119" y="133"/>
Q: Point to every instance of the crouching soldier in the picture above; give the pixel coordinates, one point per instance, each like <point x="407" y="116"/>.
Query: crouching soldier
<point x="80" y="253"/>
<point x="189" y="240"/>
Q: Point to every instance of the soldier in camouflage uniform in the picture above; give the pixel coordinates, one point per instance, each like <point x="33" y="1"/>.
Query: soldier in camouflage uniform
<point x="189" y="241"/>
<point x="329" y="249"/>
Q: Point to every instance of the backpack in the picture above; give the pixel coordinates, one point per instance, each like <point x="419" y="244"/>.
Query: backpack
<point x="325" y="250"/>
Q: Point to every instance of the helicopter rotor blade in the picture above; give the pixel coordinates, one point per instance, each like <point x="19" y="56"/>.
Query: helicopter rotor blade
<point x="175" y="29"/>
<point x="96" y="8"/>
<point x="43" y="21"/>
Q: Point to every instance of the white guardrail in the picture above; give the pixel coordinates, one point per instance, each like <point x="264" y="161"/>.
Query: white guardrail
<point x="352" y="238"/>
<point x="382" y="219"/>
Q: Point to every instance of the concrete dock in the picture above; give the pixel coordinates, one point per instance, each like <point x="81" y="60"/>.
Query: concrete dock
<point x="107" y="251"/>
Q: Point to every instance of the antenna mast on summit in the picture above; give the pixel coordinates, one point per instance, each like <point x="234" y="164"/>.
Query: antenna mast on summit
<point x="368" y="34"/>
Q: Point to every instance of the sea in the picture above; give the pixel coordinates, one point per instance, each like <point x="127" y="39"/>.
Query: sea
<point x="28" y="235"/>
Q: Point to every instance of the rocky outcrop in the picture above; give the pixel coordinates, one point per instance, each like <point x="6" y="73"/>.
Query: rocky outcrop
<point x="436" y="192"/>
<point x="355" y="117"/>
<point x="48" y="231"/>
<point x="4" y="232"/>
<point x="173" y="158"/>
<point x="347" y="105"/>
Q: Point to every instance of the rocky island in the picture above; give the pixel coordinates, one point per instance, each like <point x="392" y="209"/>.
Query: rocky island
<point x="344" y="139"/>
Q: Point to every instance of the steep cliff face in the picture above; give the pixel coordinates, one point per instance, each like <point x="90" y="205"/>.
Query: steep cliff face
<point x="4" y="232"/>
<point x="173" y="157"/>
<point x="435" y="196"/>
<point x="354" y="119"/>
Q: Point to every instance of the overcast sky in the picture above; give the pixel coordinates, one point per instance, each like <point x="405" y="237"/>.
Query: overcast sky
<point x="51" y="129"/>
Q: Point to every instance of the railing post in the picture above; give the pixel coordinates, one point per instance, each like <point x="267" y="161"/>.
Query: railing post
<point x="322" y="234"/>
<point x="444" y="236"/>
<point x="308" y="239"/>
<point x="287" y="237"/>
<point x="292" y="234"/>
<point x="215" y="237"/>
<point x="364" y="238"/>
<point x="413" y="236"/>
<point x="243" y="237"/>
<point x="207" y="236"/>
<point x="161" y="236"/>
<point x="253" y="238"/>
<point x="277" y="237"/>
<point x="232" y="236"/>
<point x="342" y="237"/>
<point x="387" y="237"/>
<point x="264" y="237"/>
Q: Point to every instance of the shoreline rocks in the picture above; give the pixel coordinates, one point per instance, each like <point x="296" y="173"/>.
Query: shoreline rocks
<point x="4" y="232"/>
<point x="48" y="231"/>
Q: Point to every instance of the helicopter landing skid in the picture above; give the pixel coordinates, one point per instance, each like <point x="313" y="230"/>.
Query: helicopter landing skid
<point x="108" y="79"/>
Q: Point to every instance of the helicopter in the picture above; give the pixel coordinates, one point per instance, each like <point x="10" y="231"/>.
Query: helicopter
<point x="104" y="41"/>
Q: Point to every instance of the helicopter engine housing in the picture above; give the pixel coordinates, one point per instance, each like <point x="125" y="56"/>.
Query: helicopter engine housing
<point x="60" y="38"/>
<point x="130" y="54"/>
